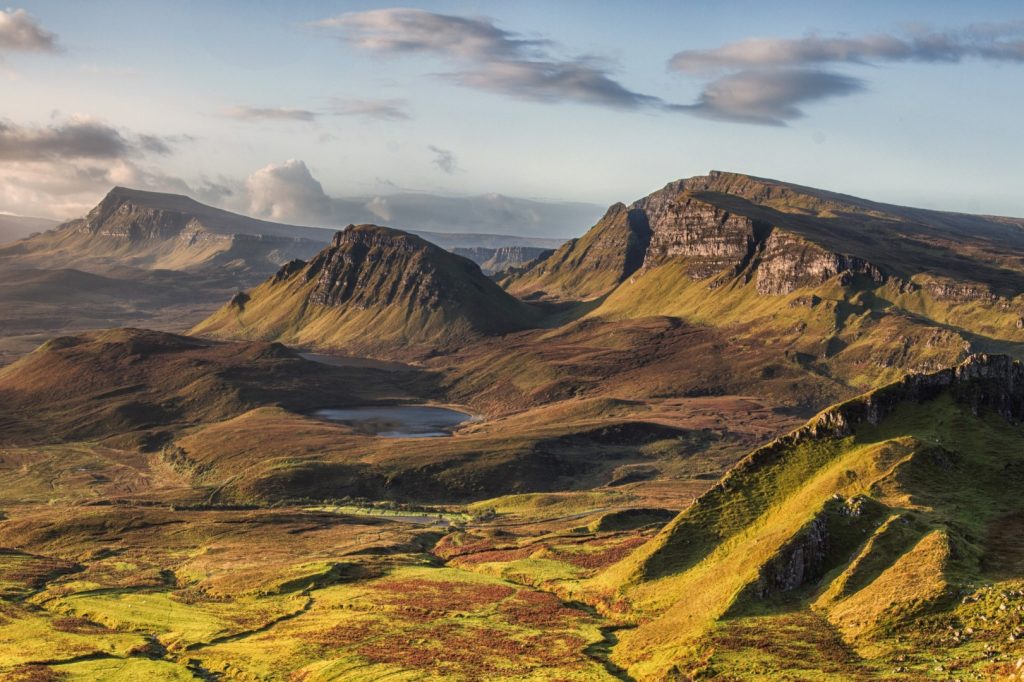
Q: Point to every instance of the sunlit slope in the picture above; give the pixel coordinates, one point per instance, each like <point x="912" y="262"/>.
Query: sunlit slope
<point x="154" y="230"/>
<point x="855" y="290"/>
<point x="592" y="265"/>
<point x="373" y="290"/>
<point x="874" y="517"/>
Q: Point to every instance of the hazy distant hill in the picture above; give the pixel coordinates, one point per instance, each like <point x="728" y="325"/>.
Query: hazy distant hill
<point x="168" y="231"/>
<point x="15" y="227"/>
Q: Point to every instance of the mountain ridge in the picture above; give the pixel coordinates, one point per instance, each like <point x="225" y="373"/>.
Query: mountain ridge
<point x="875" y="515"/>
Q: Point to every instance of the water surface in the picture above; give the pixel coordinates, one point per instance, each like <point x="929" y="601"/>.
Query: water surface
<point x="399" y="421"/>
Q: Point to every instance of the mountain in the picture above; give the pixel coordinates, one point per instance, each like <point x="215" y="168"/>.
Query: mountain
<point x="592" y="265"/>
<point x="155" y="230"/>
<point x="495" y="260"/>
<point x="373" y="289"/>
<point x="852" y="289"/>
<point x="857" y="535"/>
<point x="166" y="231"/>
<point x="15" y="227"/>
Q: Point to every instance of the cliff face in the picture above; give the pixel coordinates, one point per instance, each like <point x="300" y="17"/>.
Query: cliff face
<point x="374" y="290"/>
<point x="687" y="226"/>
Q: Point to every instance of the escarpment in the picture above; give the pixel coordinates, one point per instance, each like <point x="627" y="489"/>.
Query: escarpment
<point x="152" y="230"/>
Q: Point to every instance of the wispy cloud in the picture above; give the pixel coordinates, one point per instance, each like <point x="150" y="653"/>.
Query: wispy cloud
<point x="77" y="138"/>
<point x="768" y="97"/>
<point x="58" y="169"/>
<point x="767" y="80"/>
<point x="553" y="81"/>
<point x="444" y="159"/>
<point x="20" y="32"/>
<point x="996" y="42"/>
<point x="488" y="58"/>
<point x="381" y="109"/>
<point x="402" y="30"/>
<point x="245" y="113"/>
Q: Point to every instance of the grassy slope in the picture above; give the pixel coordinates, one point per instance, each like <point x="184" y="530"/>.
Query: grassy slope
<point x="383" y="316"/>
<point x="934" y="468"/>
<point x="863" y="334"/>
<point x="587" y="267"/>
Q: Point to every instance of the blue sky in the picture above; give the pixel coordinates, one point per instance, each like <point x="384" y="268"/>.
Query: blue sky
<point x="215" y="99"/>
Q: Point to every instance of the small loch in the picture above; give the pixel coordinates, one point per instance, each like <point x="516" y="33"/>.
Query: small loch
<point x="399" y="421"/>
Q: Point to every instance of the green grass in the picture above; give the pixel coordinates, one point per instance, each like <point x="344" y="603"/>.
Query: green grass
<point x="921" y="491"/>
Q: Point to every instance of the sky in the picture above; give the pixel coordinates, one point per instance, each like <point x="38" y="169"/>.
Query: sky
<point x="498" y="116"/>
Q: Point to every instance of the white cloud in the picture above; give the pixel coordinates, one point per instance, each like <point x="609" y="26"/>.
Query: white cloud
<point x="20" y="32"/>
<point x="288" y="192"/>
<point x="381" y="109"/>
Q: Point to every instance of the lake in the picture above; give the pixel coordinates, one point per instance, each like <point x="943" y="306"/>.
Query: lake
<point x="399" y="421"/>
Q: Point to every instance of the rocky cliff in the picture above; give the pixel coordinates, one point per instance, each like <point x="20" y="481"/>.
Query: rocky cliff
<point x="375" y="290"/>
<point x="493" y="260"/>
<point x="856" y="290"/>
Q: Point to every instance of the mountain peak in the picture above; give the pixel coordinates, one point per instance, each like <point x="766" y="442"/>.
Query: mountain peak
<point x="369" y="233"/>
<point x="373" y="289"/>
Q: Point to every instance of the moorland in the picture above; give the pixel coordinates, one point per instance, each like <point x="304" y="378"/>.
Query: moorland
<point x="739" y="429"/>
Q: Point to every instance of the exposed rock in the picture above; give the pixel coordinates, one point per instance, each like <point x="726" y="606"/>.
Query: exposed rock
<point x="959" y="292"/>
<point x="789" y="262"/>
<point x="288" y="269"/>
<point x="800" y="562"/>
<point x="709" y="239"/>
<point x="498" y="259"/>
<point x="239" y="300"/>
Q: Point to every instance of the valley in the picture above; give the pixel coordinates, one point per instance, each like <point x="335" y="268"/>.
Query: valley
<point x="740" y="430"/>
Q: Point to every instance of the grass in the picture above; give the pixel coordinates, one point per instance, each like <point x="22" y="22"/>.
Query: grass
<point x="915" y="525"/>
<point x="123" y="670"/>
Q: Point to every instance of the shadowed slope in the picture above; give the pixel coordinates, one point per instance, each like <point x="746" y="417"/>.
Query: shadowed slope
<point x="119" y="381"/>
